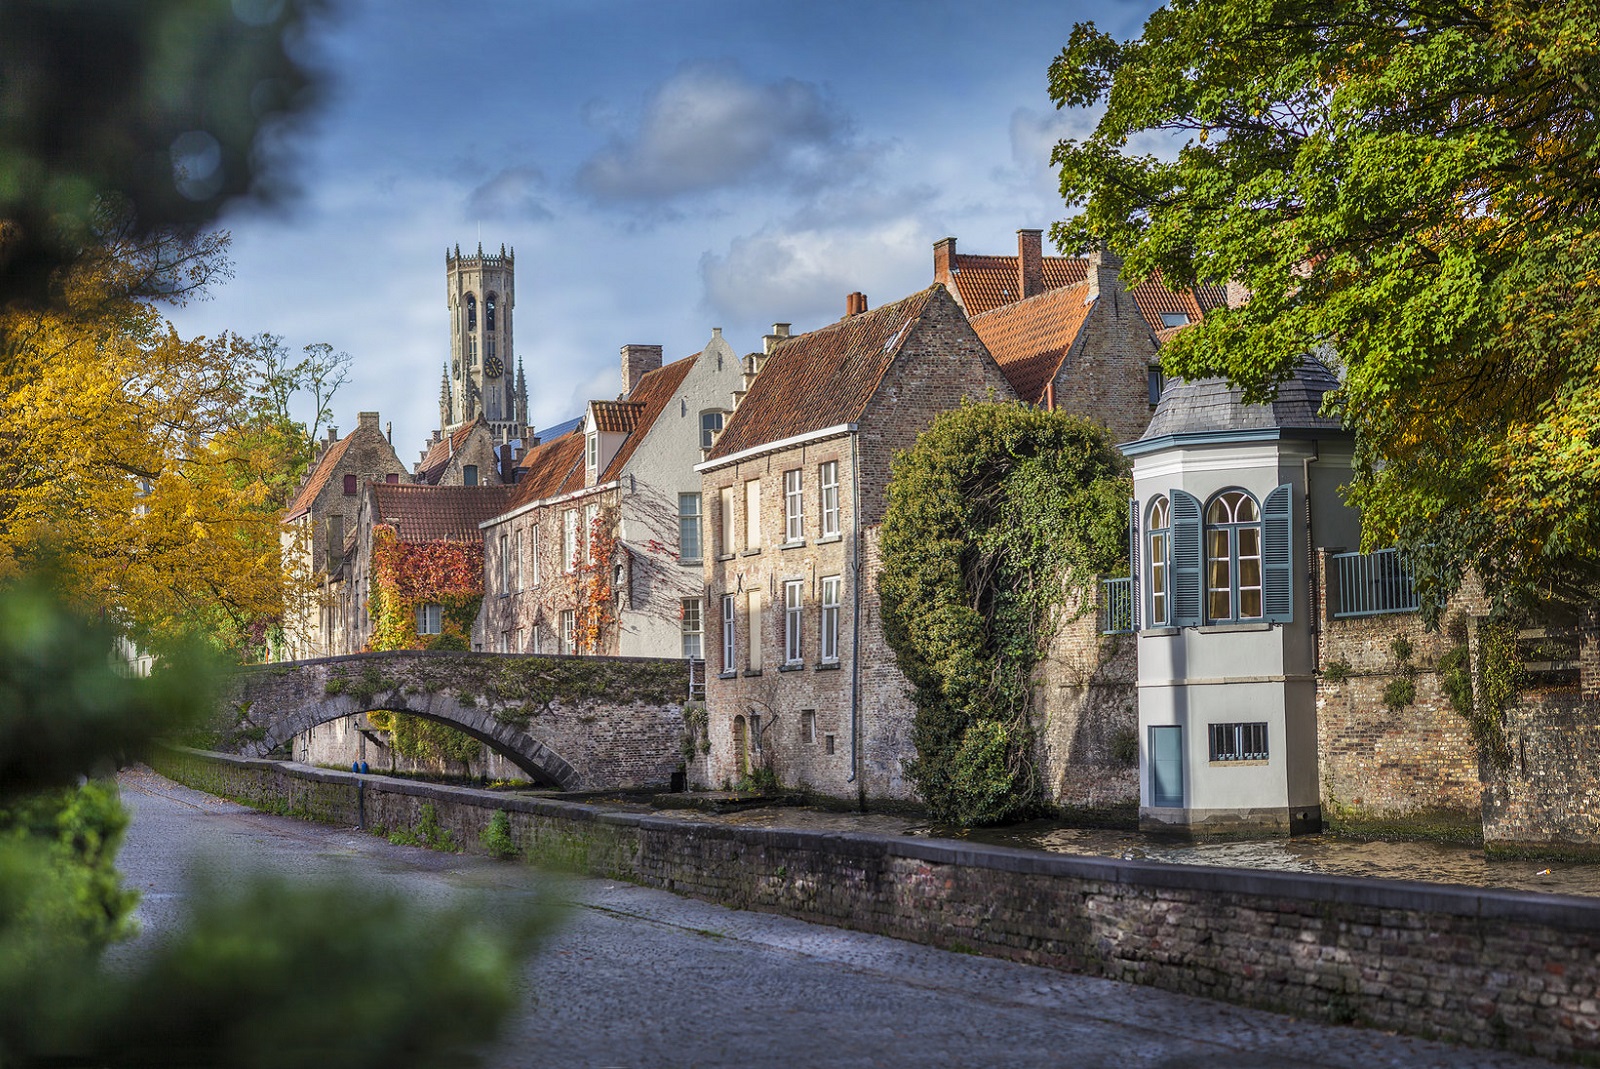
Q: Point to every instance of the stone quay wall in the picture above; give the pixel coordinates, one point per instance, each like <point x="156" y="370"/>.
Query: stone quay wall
<point x="1486" y="967"/>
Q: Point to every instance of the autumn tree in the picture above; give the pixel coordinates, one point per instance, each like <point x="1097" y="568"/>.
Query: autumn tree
<point x="1415" y="185"/>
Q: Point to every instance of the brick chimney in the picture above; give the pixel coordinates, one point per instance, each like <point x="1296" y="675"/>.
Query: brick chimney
<point x="637" y="361"/>
<point x="1030" y="263"/>
<point x="366" y="421"/>
<point x="944" y="261"/>
<point x="1105" y="268"/>
<point x="855" y="304"/>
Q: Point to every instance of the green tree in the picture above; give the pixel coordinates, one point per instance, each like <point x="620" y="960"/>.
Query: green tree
<point x="999" y="521"/>
<point x="1414" y="184"/>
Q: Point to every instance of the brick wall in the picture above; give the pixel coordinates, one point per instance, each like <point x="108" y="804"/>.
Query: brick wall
<point x="1105" y="376"/>
<point x="1087" y="712"/>
<point x="1466" y="965"/>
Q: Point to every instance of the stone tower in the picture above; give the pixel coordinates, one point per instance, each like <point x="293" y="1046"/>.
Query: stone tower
<point x="483" y="377"/>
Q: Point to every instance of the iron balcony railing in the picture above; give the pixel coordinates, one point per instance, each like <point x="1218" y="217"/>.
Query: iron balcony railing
<point x="1369" y="584"/>
<point x="1116" y="606"/>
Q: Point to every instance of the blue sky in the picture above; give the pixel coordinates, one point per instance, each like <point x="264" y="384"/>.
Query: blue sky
<point x="659" y="168"/>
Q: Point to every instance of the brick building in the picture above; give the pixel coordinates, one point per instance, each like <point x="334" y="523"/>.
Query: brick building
<point x="469" y="455"/>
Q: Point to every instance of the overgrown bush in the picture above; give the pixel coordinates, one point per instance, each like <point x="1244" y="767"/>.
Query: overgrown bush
<point x="496" y="837"/>
<point x="999" y="519"/>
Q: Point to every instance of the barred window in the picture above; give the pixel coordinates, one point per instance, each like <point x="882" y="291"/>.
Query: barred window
<point x="1239" y="742"/>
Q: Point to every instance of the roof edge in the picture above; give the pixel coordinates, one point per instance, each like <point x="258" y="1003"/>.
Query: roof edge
<point x="837" y="430"/>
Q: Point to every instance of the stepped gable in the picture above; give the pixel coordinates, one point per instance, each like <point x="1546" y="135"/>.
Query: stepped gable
<point x="1030" y="338"/>
<point x="1212" y="407"/>
<point x="420" y="513"/>
<point x="550" y="469"/>
<point x="822" y="378"/>
<point x="648" y="399"/>
<point x="318" y="478"/>
<point x="437" y="459"/>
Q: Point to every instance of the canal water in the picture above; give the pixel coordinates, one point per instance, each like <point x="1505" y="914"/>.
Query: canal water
<point x="1432" y="862"/>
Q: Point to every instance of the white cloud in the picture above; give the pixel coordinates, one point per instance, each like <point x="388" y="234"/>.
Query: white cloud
<point x="709" y="127"/>
<point x="515" y="193"/>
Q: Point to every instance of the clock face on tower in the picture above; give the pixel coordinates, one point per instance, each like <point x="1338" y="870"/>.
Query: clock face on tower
<point x="493" y="368"/>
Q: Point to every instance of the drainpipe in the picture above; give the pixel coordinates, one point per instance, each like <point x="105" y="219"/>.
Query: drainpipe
<point x="1311" y="560"/>
<point x="855" y="625"/>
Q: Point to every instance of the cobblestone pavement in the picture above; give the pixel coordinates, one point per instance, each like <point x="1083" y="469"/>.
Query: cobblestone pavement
<point x="642" y="978"/>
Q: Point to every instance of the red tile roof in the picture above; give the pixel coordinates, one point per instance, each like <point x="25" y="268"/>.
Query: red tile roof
<point x="651" y="395"/>
<point x="550" y="469"/>
<point x="319" y="477"/>
<point x="823" y="378"/>
<point x="428" y="513"/>
<point x="615" y="417"/>
<point x="984" y="283"/>
<point x="1030" y="338"/>
<point x="432" y="466"/>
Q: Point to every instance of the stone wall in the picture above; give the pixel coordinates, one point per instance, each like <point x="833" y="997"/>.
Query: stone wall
<point x="1088" y="718"/>
<point x="1467" y="965"/>
<point x="1548" y="801"/>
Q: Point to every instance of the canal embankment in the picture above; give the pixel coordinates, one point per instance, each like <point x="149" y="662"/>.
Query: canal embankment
<point x="1484" y="966"/>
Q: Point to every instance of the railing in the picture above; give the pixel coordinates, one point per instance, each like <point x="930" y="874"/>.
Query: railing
<point x="1369" y="584"/>
<point x="1116" y="606"/>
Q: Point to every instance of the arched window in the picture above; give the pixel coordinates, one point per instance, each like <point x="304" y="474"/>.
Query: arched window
<point x="472" y="312"/>
<point x="1159" y="549"/>
<point x="1233" y="557"/>
<point x="488" y="312"/>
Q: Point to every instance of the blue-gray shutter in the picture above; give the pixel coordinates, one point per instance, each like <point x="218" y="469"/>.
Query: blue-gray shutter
<point x="1186" y="560"/>
<point x="1277" y="555"/>
<point x="1133" y="562"/>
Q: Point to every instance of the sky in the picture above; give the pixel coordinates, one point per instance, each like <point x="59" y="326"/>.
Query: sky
<point x="659" y="169"/>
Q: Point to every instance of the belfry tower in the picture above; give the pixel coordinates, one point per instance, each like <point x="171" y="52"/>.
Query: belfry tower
<point x="479" y="380"/>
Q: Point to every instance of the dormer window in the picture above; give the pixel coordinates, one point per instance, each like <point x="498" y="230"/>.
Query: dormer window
<point x="592" y="452"/>
<point x="1174" y="319"/>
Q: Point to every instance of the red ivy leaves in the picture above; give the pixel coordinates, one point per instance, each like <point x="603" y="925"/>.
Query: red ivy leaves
<point x="425" y="571"/>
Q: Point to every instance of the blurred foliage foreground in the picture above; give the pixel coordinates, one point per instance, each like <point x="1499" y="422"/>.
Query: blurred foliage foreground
<point x="263" y="973"/>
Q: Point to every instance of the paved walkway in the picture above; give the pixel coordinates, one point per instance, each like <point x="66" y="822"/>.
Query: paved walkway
<point x="642" y="978"/>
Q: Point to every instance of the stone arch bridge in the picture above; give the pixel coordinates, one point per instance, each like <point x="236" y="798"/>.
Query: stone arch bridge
<point x="576" y="723"/>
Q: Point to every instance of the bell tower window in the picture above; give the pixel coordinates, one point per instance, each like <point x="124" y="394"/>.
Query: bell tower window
<point x="472" y="312"/>
<point x="488" y="312"/>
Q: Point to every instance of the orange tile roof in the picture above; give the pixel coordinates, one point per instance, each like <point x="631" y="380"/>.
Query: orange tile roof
<point x="821" y="379"/>
<point x="615" y="417"/>
<point x="439" y="454"/>
<point x="651" y="395"/>
<point x="984" y="283"/>
<point x="550" y="469"/>
<point x="319" y="477"/>
<point x="421" y="513"/>
<point x="1030" y="338"/>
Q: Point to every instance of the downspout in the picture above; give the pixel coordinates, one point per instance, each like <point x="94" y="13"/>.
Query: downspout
<point x="1311" y="560"/>
<point x="855" y="624"/>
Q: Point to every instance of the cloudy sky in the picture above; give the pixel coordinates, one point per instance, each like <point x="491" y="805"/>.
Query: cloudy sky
<point x="660" y="168"/>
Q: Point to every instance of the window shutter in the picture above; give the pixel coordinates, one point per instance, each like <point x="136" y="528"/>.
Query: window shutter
<point x="1133" y="562"/>
<point x="1185" y="559"/>
<point x="1277" y="556"/>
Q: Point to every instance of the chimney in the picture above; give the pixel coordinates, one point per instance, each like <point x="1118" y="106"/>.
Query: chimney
<point x="944" y="260"/>
<point x="1030" y="263"/>
<point x="769" y="342"/>
<point x="637" y="361"/>
<point x="1104" y="269"/>
<point x="367" y="421"/>
<point x="855" y="304"/>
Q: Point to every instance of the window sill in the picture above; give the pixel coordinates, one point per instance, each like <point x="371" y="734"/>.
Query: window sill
<point x="1237" y="764"/>
<point x="1227" y="628"/>
<point x="692" y="562"/>
<point x="795" y="667"/>
<point x="752" y="672"/>
<point x="1159" y="632"/>
<point x="792" y="545"/>
<point x="725" y="556"/>
<point x="727" y="675"/>
<point x="826" y="666"/>
<point x="829" y="539"/>
<point x="751" y="552"/>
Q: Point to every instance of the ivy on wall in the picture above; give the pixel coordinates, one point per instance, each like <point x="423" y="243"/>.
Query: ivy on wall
<point x="595" y="617"/>
<point x="998" y="519"/>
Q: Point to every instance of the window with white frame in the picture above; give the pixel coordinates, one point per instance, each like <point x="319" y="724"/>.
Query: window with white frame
<point x="1238" y="742"/>
<point x="430" y="618"/>
<point x="753" y="627"/>
<point x="505" y="565"/>
<point x="569" y="540"/>
<point x="793" y="611"/>
<point x="710" y="427"/>
<point x="728" y="633"/>
<point x="533" y="552"/>
<point x="794" y="521"/>
<point x="591" y="454"/>
<point x="693" y="628"/>
<point x="688" y="527"/>
<point x="505" y="642"/>
<point x="516" y="560"/>
<point x="1159" y="547"/>
<point x="829" y="643"/>
<point x="1233" y="557"/>
<point x="590" y="512"/>
<point x="752" y="514"/>
<point x="567" y="633"/>
<point x="828" y="478"/>
<point x="725" y="521"/>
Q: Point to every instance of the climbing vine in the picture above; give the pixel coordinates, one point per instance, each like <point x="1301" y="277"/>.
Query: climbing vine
<point x="1000" y="518"/>
<point x="596" y="613"/>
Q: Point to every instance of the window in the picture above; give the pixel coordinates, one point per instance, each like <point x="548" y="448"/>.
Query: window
<point x="710" y="427"/>
<point x="392" y="478"/>
<point x="472" y="351"/>
<point x="538" y="644"/>
<point x="753" y="624"/>
<point x="569" y="540"/>
<point x="349" y="486"/>
<point x="725" y="521"/>
<point x="488" y="312"/>
<point x="469" y="475"/>
<point x="472" y="312"/>
<point x="1154" y="383"/>
<point x="827" y="743"/>
<point x="1159" y="541"/>
<point x="794" y="527"/>
<point x="565" y="635"/>
<point x="793" y="604"/>
<point x="430" y="618"/>
<point x="727" y="633"/>
<point x="516" y="640"/>
<point x="505" y="565"/>
<point x="1174" y="319"/>
<point x="829" y="642"/>
<point x="516" y="561"/>
<point x="1238" y="742"/>
<point x="828" y="477"/>
<point x="752" y="514"/>
<point x="693" y="629"/>
<point x="505" y="642"/>
<point x="808" y="726"/>
<point x="591" y="453"/>
<point x="533" y="559"/>
<point x="1233" y="557"/>
<point x="589" y="514"/>
<point x="688" y="527"/>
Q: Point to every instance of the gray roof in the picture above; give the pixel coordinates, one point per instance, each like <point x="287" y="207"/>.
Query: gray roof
<point x="1212" y="408"/>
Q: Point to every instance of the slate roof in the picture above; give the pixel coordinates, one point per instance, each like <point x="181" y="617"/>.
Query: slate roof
<point x="431" y="468"/>
<point x="822" y="378"/>
<point x="1211" y="406"/>
<point x="984" y="283"/>
<point x="319" y="477"/>
<point x="1030" y="338"/>
<point x="550" y="434"/>
<point x="651" y="395"/>
<point x="429" y="513"/>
